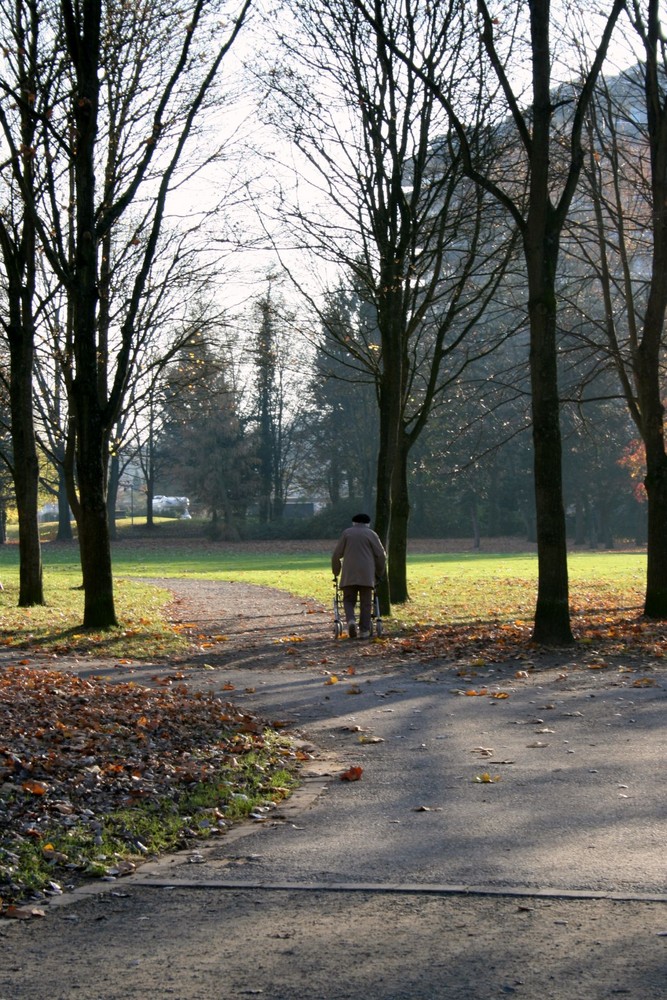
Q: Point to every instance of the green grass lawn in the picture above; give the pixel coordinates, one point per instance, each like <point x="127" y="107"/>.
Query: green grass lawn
<point x="445" y="588"/>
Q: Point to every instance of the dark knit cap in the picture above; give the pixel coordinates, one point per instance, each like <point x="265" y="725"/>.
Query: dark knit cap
<point x="361" y="519"/>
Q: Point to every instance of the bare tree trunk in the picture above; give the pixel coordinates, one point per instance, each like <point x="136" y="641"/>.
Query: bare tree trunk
<point x="17" y="241"/>
<point x="474" y="517"/>
<point x="649" y="355"/>
<point x="552" y="614"/>
<point x="94" y="542"/>
<point x="112" y="494"/>
<point x="655" y="601"/>
<point x="641" y="376"/>
<point x="89" y="385"/>
<point x="26" y="470"/>
<point x="541" y="244"/>
<point x="400" y="514"/>
<point x="64" y="515"/>
<point x="390" y="409"/>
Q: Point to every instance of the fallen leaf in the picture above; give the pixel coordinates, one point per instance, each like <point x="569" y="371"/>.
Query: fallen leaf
<point x="353" y="773"/>
<point x="34" y="787"/>
<point x="24" y="912"/>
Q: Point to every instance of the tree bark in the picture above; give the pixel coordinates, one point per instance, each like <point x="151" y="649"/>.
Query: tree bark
<point x="655" y="600"/>
<point x="390" y="392"/>
<point x="541" y="244"/>
<point x="112" y="494"/>
<point x="400" y="514"/>
<point x="552" y="615"/>
<point x="89" y="385"/>
<point x="25" y="469"/>
<point x="649" y="354"/>
<point x="64" y="514"/>
<point x="17" y="241"/>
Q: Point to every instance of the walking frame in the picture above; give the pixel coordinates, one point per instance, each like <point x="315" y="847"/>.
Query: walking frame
<point x="377" y="627"/>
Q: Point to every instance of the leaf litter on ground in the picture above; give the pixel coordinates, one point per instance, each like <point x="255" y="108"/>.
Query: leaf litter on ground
<point x="95" y="776"/>
<point x="602" y="637"/>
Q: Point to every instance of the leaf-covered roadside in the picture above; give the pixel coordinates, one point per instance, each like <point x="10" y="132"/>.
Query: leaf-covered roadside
<point x="94" y="776"/>
<point x="603" y="632"/>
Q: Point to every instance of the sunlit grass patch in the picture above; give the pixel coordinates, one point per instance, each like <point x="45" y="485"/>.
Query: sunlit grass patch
<point x="142" y="633"/>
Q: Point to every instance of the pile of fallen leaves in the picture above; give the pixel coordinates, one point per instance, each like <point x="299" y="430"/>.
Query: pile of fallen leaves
<point x="74" y="752"/>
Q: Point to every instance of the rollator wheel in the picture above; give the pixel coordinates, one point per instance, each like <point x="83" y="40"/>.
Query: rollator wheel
<point x="337" y="630"/>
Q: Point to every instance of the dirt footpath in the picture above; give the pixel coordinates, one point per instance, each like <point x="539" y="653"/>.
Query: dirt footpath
<point x="505" y="843"/>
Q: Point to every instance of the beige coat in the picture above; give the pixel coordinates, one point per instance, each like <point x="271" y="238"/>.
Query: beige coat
<point x="362" y="555"/>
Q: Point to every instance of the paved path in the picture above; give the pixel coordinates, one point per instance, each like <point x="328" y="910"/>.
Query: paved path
<point x="576" y="801"/>
<point x="422" y="879"/>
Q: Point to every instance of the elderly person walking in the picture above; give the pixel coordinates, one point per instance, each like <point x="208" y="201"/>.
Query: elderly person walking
<point x="363" y="560"/>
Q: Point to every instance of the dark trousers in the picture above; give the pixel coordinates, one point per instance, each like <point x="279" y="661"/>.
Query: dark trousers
<point x="365" y="596"/>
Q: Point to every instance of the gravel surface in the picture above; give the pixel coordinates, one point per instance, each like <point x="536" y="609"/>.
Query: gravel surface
<point x="504" y="843"/>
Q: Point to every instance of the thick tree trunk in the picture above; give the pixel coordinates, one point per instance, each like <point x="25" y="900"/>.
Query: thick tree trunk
<point x="655" y="601"/>
<point x="26" y="470"/>
<point x="20" y="335"/>
<point x="385" y="464"/>
<point x="93" y="524"/>
<point x="552" y="613"/>
<point x="649" y="356"/>
<point x="390" y="408"/>
<point x="89" y="390"/>
<point x="398" y="531"/>
<point x="20" y="263"/>
<point x="541" y="245"/>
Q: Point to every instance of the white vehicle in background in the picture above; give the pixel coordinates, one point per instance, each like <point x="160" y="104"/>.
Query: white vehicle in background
<point x="171" y="507"/>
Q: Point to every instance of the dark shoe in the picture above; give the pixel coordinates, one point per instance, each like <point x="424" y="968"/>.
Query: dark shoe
<point x="352" y="630"/>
